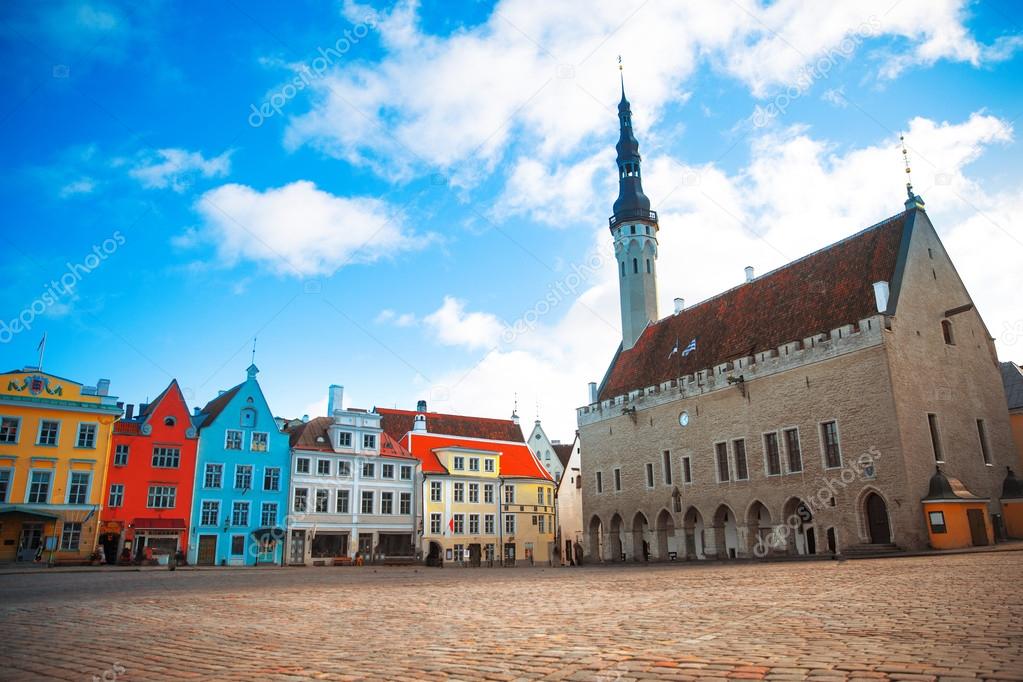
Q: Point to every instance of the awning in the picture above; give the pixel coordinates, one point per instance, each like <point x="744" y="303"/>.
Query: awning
<point x="274" y="533"/>
<point x="158" y="524"/>
<point x="27" y="511"/>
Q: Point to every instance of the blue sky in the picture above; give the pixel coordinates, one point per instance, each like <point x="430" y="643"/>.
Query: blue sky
<point x="411" y="199"/>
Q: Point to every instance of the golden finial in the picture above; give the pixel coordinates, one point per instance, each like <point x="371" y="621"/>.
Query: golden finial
<point x="905" y="158"/>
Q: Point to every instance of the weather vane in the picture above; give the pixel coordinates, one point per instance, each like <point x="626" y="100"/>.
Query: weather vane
<point x="620" y="67"/>
<point x="253" y="350"/>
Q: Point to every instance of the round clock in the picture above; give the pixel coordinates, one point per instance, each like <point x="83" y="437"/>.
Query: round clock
<point x="683" y="419"/>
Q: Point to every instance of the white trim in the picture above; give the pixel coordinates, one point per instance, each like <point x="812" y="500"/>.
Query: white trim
<point x="88" y="486"/>
<point x="17" y="435"/>
<point x="39" y="433"/>
<point x="78" y="436"/>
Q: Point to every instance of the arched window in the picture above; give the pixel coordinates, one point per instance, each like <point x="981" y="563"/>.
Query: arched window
<point x="946" y="331"/>
<point x="632" y="229"/>
<point x="169" y="421"/>
<point x="635" y="266"/>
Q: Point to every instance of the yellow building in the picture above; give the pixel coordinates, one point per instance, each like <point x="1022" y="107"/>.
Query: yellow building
<point x="486" y="500"/>
<point x="54" y="447"/>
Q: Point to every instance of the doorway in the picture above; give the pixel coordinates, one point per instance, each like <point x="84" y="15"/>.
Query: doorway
<point x="877" y="520"/>
<point x="297" y="553"/>
<point x="366" y="546"/>
<point x="475" y="554"/>
<point x="110" y="543"/>
<point x="509" y="554"/>
<point x="31" y="539"/>
<point x="978" y="529"/>
<point x="207" y="554"/>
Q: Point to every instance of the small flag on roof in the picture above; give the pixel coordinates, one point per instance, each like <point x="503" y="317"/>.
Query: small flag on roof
<point x="690" y="348"/>
<point x="675" y="349"/>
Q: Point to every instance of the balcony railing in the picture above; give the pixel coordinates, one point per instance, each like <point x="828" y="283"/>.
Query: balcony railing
<point x="632" y="214"/>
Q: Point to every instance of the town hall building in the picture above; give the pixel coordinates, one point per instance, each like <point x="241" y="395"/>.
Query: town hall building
<point x="849" y="401"/>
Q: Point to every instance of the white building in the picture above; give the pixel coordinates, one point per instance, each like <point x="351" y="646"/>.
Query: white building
<point x="551" y="453"/>
<point x="353" y="489"/>
<point x="570" y="503"/>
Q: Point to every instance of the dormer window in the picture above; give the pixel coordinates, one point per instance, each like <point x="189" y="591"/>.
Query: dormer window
<point x="946" y="331"/>
<point x="169" y="421"/>
<point x="344" y="439"/>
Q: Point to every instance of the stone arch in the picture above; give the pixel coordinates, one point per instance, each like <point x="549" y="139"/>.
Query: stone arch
<point x="873" y="500"/>
<point x="692" y="523"/>
<point x="799" y="529"/>
<point x="759" y="530"/>
<point x="640" y="545"/>
<point x="665" y="535"/>
<point x="596" y="535"/>
<point x="726" y="534"/>
<point x="614" y="540"/>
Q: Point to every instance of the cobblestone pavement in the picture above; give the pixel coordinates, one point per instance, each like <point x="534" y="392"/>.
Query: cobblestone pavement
<point x="951" y="617"/>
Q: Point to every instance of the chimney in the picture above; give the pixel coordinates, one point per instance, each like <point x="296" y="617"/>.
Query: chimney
<point x="142" y="408"/>
<point x="593" y="392"/>
<point x="680" y="305"/>
<point x="421" y="407"/>
<point x="881" y="296"/>
<point x="103" y="387"/>
<point x="129" y="411"/>
<point x="749" y="273"/>
<point x="334" y="396"/>
<point x="195" y="411"/>
<point x="305" y="418"/>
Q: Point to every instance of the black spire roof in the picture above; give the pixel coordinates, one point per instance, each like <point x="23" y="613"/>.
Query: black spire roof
<point x="631" y="203"/>
<point x="946" y="488"/>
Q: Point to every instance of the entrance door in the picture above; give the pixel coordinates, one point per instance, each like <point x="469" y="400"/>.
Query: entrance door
<point x="297" y="547"/>
<point x="978" y="529"/>
<point x="877" y="520"/>
<point x="475" y="554"/>
<point x="366" y="546"/>
<point x="31" y="539"/>
<point x="207" y="554"/>
<point x="509" y="554"/>
<point x="811" y="542"/>
<point x="110" y="543"/>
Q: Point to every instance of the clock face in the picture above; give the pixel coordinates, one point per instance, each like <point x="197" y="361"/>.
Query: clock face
<point x="683" y="419"/>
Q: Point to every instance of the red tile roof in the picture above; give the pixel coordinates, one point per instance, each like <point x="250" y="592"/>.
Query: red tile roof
<point x="305" y="437"/>
<point x="131" y="428"/>
<point x="216" y="406"/>
<point x="399" y="422"/>
<point x="516" y="460"/>
<point x="815" y="294"/>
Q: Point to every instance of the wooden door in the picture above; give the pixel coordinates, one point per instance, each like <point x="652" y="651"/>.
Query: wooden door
<point x="978" y="529"/>
<point x="877" y="520"/>
<point x="207" y="555"/>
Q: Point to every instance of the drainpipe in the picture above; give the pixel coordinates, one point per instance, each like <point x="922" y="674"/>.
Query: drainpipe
<point x="499" y="550"/>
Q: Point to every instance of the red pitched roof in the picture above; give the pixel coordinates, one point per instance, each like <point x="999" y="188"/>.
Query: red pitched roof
<point x="399" y="422"/>
<point x="131" y="428"/>
<point x="815" y="294"/>
<point x="305" y="437"/>
<point x="516" y="460"/>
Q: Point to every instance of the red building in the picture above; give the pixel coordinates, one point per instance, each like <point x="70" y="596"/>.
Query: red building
<point x="148" y="498"/>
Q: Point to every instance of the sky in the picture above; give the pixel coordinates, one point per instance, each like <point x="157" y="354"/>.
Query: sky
<point x="411" y="199"/>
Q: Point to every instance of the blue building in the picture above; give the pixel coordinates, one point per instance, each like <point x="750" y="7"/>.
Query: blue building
<point x="241" y="480"/>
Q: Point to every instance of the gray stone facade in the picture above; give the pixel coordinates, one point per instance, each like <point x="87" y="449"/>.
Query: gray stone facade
<point x="876" y="380"/>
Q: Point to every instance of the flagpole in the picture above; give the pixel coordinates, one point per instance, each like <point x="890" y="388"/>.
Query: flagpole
<point x="41" y="349"/>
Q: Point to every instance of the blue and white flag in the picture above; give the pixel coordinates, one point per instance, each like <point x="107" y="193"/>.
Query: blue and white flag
<point x="689" y="349"/>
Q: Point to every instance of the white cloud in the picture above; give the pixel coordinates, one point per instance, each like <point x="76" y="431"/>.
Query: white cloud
<point x="178" y="168"/>
<point x="388" y="316"/>
<point x="541" y="79"/>
<point x="452" y="326"/>
<point x="300" y="230"/>
<point x="79" y="186"/>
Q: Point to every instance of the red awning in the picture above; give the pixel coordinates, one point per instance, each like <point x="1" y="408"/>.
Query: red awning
<point x="158" y="524"/>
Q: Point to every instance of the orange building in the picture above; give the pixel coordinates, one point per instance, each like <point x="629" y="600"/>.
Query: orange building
<point x="1012" y="380"/>
<point x="1012" y="505"/>
<point x="148" y="499"/>
<point x="955" y="516"/>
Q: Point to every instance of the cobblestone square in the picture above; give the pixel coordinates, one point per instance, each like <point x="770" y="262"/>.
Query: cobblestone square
<point x="920" y="618"/>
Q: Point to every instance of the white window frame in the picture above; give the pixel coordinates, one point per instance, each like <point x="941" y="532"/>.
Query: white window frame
<point x="51" y="473"/>
<point x="372" y="501"/>
<point x="215" y="507"/>
<point x="263" y="514"/>
<point x="387" y="498"/>
<point x="266" y="472"/>
<point x="369" y="467"/>
<point x="206" y="470"/>
<point x="117" y="495"/>
<point x="308" y="464"/>
<point x="326" y="500"/>
<point x="165" y="455"/>
<point x="241" y="439"/>
<point x="369" y="441"/>
<point x="127" y="454"/>
<point x="319" y="463"/>
<point x="384" y="467"/>
<point x="490" y="524"/>
<point x="39" y="433"/>
<point x="173" y="495"/>
<point x="78" y="435"/>
<point x="252" y="474"/>
<point x="344" y="468"/>
<point x="17" y="433"/>
<point x="241" y="504"/>
<point x="266" y="441"/>
<point x="436" y="523"/>
<point x="436" y="491"/>
<point x="489" y="466"/>
<point x="488" y="493"/>
<point x="346" y="495"/>
<point x="88" y="486"/>
<point x="343" y="436"/>
<point x="458" y="492"/>
<point x="405" y="469"/>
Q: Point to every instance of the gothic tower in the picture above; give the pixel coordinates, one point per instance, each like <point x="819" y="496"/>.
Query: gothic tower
<point x="634" y="229"/>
